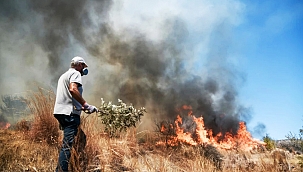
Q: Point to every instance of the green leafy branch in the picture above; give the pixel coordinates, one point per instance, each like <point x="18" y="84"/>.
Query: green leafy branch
<point x="118" y="118"/>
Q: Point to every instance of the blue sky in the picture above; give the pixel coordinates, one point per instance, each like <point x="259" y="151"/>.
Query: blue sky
<point x="272" y="36"/>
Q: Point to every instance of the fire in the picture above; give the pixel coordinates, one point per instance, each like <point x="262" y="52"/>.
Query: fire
<point x="241" y="140"/>
<point x="181" y="136"/>
<point x="4" y="125"/>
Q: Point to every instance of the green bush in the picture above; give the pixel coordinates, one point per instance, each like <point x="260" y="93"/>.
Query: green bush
<point x="270" y="143"/>
<point x="117" y="118"/>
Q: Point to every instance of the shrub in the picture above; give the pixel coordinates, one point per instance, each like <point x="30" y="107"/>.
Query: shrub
<point x="117" y="118"/>
<point x="270" y="143"/>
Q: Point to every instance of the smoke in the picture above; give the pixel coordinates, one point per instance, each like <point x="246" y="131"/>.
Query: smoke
<point x="259" y="130"/>
<point x="160" y="55"/>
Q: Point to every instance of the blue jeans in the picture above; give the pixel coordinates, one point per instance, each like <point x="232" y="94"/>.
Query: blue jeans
<point x="70" y="125"/>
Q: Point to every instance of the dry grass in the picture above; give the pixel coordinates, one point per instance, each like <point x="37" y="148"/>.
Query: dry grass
<point x="33" y="147"/>
<point x="18" y="153"/>
<point x="44" y="126"/>
<point x="125" y="154"/>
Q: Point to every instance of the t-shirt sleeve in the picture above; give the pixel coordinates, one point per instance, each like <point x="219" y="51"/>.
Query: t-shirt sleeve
<point x="76" y="77"/>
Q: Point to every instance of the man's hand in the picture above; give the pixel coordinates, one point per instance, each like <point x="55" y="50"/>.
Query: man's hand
<point x="89" y="108"/>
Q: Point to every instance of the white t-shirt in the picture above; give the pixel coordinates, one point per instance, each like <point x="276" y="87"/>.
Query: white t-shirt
<point x="65" y="103"/>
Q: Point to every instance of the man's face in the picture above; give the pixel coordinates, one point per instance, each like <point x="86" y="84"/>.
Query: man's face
<point x="80" y="67"/>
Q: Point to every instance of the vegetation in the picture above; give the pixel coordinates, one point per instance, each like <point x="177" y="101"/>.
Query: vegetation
<point x="270" y="143"/>
<point x="44" y="127"/>
<point x="13" y="108"/>
<point x="118" y="118"/>
<point x="33" y="146"/>
<point x="295" y="145"/>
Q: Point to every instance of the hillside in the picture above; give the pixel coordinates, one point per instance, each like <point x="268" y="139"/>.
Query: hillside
<point x="130" y="153"/>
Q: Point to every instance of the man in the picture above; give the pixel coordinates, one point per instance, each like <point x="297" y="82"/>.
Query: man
<point x="68" y="106"/>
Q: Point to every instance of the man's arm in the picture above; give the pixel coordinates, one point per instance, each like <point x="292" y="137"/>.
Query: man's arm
<point x="73" y="89"/>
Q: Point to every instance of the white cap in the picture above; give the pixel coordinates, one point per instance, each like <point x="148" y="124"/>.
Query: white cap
<point x="80" y="60"/>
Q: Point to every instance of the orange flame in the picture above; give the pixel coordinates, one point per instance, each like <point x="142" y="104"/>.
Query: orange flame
<point x="181" y="136"/>
<point x="4" y="125"/>
<point x="241" y="140"/>
<point x="163" y="128"/>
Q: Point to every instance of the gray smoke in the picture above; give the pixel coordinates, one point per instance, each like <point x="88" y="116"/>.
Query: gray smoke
<point x="156" y="69"/>
<point x="259" y="130"/>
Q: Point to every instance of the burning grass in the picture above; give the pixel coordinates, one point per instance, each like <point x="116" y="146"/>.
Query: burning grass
<point x="33" y="146"/>
<point x="193" y="132"/>
<point x="126" y="154"/>
<point x="103" y="153"/>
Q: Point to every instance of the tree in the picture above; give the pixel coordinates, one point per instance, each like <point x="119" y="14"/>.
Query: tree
<point x="13" y="106"/>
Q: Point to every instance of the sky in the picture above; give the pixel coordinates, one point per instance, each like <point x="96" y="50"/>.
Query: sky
<point x="239" y="58"/>
<point x="273" y="63"/>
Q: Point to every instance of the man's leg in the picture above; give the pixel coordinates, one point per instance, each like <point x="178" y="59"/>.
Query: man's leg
<point x="70" y="126"/>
